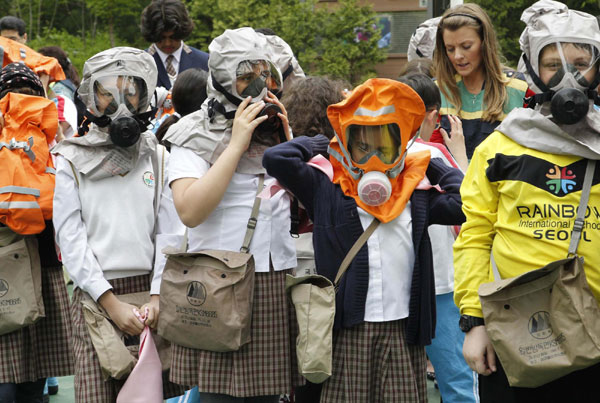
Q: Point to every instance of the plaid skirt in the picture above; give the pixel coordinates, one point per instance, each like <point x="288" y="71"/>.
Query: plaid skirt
<point x="265" y="366"/>
<point x="90" y="385"/>
<point x="44" y="348"/>
<point x="373" y="363"/>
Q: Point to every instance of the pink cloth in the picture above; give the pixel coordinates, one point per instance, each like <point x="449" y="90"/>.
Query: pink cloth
<point x="144" y="384"/>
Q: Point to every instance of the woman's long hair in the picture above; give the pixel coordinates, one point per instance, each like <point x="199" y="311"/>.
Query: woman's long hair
<point x="495" y="91"/>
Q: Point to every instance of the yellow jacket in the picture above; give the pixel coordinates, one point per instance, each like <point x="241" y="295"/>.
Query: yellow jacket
<point x="520" y="205"/>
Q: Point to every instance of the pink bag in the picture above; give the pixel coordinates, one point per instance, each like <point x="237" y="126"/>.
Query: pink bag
<point x="144" y="384"/>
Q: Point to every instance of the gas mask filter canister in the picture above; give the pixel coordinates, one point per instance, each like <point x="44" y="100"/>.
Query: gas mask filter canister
<point x="374" y="188"/>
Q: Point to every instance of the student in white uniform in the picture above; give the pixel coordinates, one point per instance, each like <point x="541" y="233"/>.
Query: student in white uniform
<point x="112" y="212"/>
<point x="214" y="173"/>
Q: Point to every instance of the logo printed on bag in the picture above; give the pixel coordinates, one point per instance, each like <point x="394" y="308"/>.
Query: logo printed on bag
<point x="149" y="179"/>
<point x="539" y="325"/>
<point x="3" y="287"/>
<point x="196" y="293"/>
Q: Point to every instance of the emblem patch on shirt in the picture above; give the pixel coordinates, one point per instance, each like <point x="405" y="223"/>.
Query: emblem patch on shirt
<point x="554" y="179"/>
<point x="149" y="179"/>
<point x="3" y="287"/>
<point x="560" y="179"/>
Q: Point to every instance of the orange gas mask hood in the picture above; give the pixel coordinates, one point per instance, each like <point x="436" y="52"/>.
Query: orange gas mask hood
<point x="373" y="128"/>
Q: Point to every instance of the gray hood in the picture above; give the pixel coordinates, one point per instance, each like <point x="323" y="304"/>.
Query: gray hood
<point x="94" y="154"/>
<point x="283" y="57"/>
<point x="423" y="40"/>
<point x="208" y="136"/>
<point x="552" y="22"/>
<point x="535" y="129"/>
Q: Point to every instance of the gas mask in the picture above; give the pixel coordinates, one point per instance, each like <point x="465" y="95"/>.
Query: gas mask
<point x="374" y="152"/>
<point x="568" y="77"/>
<point x="118" y="101"/>
<point x="253" y="79"/>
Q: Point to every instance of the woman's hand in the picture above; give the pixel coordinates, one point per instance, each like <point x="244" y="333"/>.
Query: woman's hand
<point x="456" y="141"/>
<point x="244" y="123"/>
<point x="150" y="310"/>
<point x="271" y="98"/>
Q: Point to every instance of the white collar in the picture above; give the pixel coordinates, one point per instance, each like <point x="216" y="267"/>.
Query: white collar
<point x="163" y="56"/>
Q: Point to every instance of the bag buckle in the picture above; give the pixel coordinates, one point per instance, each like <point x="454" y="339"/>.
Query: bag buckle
<point x="252" y="223"/>
<point x="578" y="224"/>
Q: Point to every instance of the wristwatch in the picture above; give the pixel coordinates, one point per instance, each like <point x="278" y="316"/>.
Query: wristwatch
<point x="467" y="322"/>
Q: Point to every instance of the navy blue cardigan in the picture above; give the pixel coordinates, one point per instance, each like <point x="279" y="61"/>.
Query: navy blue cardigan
<point x="337" y="227"/>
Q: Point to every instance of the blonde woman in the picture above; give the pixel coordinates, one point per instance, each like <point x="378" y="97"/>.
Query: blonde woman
<point x="473" y="83"/>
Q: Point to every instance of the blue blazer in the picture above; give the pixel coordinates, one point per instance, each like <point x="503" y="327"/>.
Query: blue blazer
<point x="190" y="58"/>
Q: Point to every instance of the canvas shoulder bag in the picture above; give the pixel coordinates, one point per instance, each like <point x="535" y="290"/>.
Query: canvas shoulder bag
<point x="21" y="302"/>
<point x="206" y="297"/>
<point x="545" y="324"/>
<point x="313" y="297"/>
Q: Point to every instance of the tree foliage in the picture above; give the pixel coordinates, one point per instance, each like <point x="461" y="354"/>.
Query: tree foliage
<point x="324" y="40"/>
<point x="506" y="17"/>
<point x="339" y="41"/>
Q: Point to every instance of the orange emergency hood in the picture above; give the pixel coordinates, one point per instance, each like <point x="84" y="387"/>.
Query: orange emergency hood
<point x="379" y="102"/>
<point x="15" y="52"/>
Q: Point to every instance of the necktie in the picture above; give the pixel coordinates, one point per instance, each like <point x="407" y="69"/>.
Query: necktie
<point x="170" y="69"/>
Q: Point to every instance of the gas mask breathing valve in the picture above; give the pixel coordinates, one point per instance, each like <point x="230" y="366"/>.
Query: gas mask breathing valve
<point x="569" y="106"/>
<point x="374" y="188"/>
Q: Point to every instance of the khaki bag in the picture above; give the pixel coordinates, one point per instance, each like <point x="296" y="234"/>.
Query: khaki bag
<point x="313" y="297"/>
<point x="206" y="297"/>
<point x="117" y="359"/>
<point x="545" y="324"/>
<point x="21" y="302"/>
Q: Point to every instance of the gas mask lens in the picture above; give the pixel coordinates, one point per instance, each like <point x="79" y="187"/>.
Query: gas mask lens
<point x="568" y="65"/>
<point x="382" y="141"/>
<point x="119" y="95"/>
<point x="253" y="76"/>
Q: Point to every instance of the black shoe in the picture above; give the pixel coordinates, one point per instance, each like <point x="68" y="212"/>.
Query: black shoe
<point x="52" y="390"/>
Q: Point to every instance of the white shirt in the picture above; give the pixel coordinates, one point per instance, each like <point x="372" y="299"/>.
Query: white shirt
<point x="175" y="62"/>
<point x="225" y="227"/>
<point x="442" y="238"/>
<point x="391" y="261"/>
<point x="104" y="228"/>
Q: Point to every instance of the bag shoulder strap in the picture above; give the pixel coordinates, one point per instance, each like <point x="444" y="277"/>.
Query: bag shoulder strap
<point x="74" y="173"/>
<point x="583" y="203"/>
<point x="252" y="220"/>
<point x="355" y="248"/>
<point x="158" y="167"/>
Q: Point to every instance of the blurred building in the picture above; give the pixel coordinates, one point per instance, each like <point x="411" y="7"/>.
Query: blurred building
<point x="397" y="20"/>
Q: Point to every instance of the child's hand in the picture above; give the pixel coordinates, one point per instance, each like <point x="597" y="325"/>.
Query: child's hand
<point x="283" y="115"/>
<point x="244" y="123"/>
<point x="150" y="311"/>
<point x="121" y="313"/>
<point x="456" y="141"/>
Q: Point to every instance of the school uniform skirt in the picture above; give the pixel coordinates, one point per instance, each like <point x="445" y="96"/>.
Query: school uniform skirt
<point x="90" y="385"/>
<point x="44" y="348"/>
<point x="373" y="363"/>
<point x="265" y="366"/>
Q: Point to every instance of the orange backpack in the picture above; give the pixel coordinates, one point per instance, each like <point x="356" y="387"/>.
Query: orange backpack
<point x="15" y="52"/>
<point x="27" y="171"/>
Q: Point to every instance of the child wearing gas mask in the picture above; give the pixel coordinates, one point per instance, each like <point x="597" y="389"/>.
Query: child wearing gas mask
<point x="536" y="159"/>
<point x="30" y="354"/>
<point x="385" y="302"/>
<point x="112" y="212"/>
<point x="215" y="172"/>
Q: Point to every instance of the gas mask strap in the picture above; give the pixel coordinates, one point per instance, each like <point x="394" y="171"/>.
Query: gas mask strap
<point x="89" y="118"/>
<point x="345" y="160"/>
<point x="396" y="169"/>
<point x="534" y="77"/>
<point x="216" y="106"/>
<point x="223" y="91"/>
